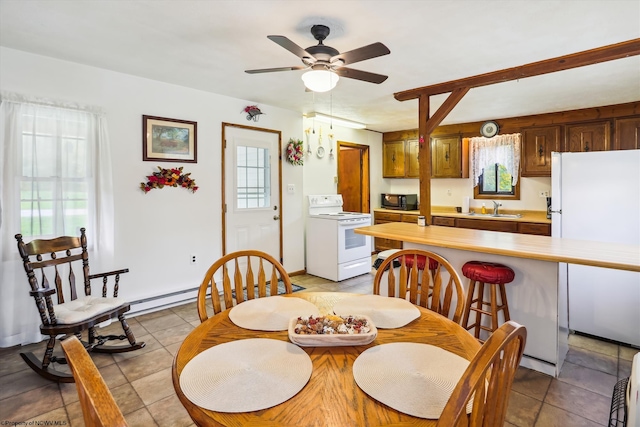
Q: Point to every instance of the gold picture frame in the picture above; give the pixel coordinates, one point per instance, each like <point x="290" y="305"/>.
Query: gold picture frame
<point x="169" y="140"/>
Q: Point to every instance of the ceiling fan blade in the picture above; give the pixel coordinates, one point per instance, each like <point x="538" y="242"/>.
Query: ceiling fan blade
<point x="290" y="46"/>
<point x="366" y="52"/>
<point x="271" y="70"/>
<point x="360" y="75"/>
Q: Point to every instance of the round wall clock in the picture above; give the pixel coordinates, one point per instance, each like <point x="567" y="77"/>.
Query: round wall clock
<point x="489" y="129"/>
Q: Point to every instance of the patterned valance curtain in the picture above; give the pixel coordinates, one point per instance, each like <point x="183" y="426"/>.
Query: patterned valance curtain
<point x="502" y="149"/>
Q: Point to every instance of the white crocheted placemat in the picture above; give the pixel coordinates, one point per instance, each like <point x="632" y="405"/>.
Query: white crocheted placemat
<point x="385" y="312"/>
<point x="270" y="313"/>
<point x="246" y="375"/>
<point x="416" y="379"/>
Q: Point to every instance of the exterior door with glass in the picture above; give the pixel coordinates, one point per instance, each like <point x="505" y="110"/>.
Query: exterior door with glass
<point x="251" y="196"/>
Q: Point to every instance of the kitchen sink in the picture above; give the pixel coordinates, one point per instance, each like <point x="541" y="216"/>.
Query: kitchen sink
<point x="496" y="216"/>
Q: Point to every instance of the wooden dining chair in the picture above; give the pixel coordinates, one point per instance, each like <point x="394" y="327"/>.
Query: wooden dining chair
<point x="73" y="313"/>
<point x="415" y="281"/>
<point x="247" y="284"/>
<point x="99" y="408"/>
<point x="487" y="380"/>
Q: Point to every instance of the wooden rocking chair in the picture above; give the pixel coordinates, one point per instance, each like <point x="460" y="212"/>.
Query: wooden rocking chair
<point x="77" y="315"/>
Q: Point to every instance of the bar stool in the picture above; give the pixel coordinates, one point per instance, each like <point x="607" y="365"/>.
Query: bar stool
<point x="433" y="264"/>
<point x="481" y="273"/>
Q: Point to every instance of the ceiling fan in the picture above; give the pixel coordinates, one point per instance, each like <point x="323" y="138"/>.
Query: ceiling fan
<point x="326" y="63"/>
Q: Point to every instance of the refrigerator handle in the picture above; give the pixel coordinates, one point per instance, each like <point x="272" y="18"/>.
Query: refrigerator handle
<point x="558" y="211"/>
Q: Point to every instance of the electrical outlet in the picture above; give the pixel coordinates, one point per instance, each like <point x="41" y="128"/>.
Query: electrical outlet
<point x="543" y="194"/>
<point x="193" y="259"/>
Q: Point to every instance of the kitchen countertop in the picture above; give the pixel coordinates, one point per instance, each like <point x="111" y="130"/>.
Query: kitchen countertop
<point x="543" y="248"/>
<point x="539" y="217"/>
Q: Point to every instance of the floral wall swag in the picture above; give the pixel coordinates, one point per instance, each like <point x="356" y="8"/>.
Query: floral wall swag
<point x="295" y="152"/>
<point x="169" y="177"/>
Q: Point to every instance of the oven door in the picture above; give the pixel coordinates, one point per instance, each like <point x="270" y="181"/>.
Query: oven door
<point x="352" y="246"/>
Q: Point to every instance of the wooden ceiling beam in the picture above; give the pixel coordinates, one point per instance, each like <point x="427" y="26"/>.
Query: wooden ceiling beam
<point x="446" y="107"/>
<point x="566" y="62"/>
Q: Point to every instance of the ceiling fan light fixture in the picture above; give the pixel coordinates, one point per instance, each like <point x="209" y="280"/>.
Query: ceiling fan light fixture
<point x="320" y="80"/>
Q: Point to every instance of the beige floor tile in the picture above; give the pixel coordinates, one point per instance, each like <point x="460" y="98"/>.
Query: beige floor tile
<point x="169" y="412"/>
<point x="522" y="410"/>
<point x="627" y="353"/>
<point x="531" y="383"/>
<point x="593" y="360"/>
<point x="140" y="418"/>
<point x="74" y="412"/>
<point x="173" y="348"/>
<point x="31" y="404"/>
<point x="579" y="401"/>
<point x="21" y="382"/>
<point x="12" y="362"/>
<point x="154" y="387"/>
<point x="167" y="321"/>
<point x="151" y="344"/>
<point x="590" y="379"/>
<point x="146" y="364"/>
<point x="69" y="392"/>
<point x="624" y="369"/>
<point x="173" y="334"/>
<point x="127" y="399"/>
<point x="592" y="344"/>
<point x="56" y="417"/>
<point x="550" y="416"/>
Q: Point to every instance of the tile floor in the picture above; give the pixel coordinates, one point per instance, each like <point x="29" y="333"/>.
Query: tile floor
<point x="141" y="380"/>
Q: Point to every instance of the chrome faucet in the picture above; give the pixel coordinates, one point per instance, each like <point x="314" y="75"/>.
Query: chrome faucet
<point x="496" y="205"/>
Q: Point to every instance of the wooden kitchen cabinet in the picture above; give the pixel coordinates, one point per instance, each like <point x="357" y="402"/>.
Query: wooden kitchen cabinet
<point x="627" y="134"/>
<point x="449" y="157"/>
<point x="400" y="159"/>
<point x="494" y="225"/>
<point x="588" y="137"/>
<point x="384" y="217"/>
<point x="412" y="152"/>
<point x="537" y="145"/>
<point x="481" y="224"/>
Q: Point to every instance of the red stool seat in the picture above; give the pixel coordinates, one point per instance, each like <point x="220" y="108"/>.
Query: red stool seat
<point x="433" y="264"/>
<point x="495" y="275"/>
<point x="487" y="272"/>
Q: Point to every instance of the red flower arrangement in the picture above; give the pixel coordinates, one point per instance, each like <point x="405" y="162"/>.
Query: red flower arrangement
<point x="171" y="178"/>
<point x="253" y="112"/>
<point x="295" y="152"/>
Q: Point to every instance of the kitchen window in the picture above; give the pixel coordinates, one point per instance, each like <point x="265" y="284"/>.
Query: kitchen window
<point x="495" y="164"/>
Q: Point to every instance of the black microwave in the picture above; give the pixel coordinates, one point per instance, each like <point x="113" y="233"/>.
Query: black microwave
<point x="405" y="202"/>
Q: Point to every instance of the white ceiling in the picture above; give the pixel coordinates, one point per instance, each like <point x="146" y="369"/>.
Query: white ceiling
<point x="207" y="45"/>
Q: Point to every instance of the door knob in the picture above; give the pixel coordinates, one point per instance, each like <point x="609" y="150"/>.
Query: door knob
<point x="276" y="217"/>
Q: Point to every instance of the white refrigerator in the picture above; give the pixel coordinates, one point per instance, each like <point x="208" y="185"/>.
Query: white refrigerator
<point x="596" y="197"/>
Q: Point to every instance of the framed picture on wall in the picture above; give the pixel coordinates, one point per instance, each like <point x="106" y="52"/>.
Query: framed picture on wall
<point x="169" y="140"/>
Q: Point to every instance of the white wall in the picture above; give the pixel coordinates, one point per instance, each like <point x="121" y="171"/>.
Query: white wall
<point x="320" y="173"/>
<point x="156" y="232"/>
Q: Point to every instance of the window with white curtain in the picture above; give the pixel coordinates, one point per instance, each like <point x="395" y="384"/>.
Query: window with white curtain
<point x="55" y="166"/>
<point x="495" y="166"/>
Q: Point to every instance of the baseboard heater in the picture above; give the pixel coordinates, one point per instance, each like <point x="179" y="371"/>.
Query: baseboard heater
<point x="158" y="302"/>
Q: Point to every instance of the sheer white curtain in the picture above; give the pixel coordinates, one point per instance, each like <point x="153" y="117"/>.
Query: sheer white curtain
<point x="55" y="166"/>
<point x="502" y="149"/>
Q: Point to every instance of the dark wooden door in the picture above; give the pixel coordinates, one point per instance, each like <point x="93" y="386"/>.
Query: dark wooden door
<point x="350" y="179"/>
<point x="353" y="176"/>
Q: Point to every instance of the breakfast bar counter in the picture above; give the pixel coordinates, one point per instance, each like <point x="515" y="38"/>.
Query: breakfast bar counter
<point x="538" y="294"/>
<point x="542" y="248"/>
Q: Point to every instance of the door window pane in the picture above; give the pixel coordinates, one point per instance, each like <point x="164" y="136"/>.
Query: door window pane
<point x="253" y="186"/>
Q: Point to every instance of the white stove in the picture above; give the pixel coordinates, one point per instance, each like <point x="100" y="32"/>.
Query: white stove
<point x="334" y="250"/>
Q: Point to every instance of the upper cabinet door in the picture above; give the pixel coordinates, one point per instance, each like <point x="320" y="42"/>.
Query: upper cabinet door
<point x="627" y="134"/>
<point x="588" y="137"/>
<point x="393" y="159"/>
<point x="413" y="164"/>
<point x="446" y="157"/>
<point x="537" y="145"/>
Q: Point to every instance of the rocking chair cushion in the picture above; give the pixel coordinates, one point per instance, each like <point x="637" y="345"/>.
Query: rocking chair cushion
<point x="85" y="308"/>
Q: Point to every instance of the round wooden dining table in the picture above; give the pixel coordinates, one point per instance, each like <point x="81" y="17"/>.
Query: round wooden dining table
<point x="331" y="397"/>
